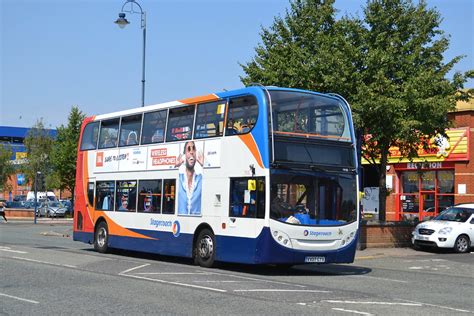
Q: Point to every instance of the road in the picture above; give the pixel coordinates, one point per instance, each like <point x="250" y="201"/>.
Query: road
<point x="44" y="272"/>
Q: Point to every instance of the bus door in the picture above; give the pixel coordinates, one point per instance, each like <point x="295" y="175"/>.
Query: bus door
<point x="247" y="205"/>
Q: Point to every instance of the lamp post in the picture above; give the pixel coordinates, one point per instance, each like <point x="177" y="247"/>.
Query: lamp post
<point x="122" y="22"/>
<point x="37" y="176"/>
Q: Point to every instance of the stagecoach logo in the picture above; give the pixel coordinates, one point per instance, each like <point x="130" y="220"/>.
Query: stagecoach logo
<point x="176" y="229"/>
<point x="316" y="233"/>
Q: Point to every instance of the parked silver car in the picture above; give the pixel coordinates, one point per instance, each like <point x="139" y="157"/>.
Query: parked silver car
<point x="51" y="209"/>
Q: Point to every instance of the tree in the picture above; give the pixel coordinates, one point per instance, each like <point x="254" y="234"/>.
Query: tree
<point x="389" y="66"/>
<point x="6" y="167"/>
<point x="39" y="144"/>
<point x="64" y="154"/>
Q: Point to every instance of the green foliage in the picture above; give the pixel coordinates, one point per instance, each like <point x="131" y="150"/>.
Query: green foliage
<point x="64" y="153"/>
<point x="388" y="65"/>
<point x="39" y="144"/>
<point x="6" y="167"/>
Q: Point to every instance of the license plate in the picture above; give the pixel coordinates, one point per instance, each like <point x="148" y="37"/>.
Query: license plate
<point x="423" y="238"/>
<point x="315" y="259"/>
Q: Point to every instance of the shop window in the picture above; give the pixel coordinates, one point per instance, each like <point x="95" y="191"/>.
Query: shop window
<point x="149" y="196"/>
<point x="247" y="197"/>
<point x="126" y="197"/>
<point x="446" y="181"/>
<point x="169" y="190"/>
<point x="104" y="195"/>
<point x="410" y="183"/>
<point x="428" y="181"/>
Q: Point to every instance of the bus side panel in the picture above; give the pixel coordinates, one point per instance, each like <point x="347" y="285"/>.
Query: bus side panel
<point x="235" y="249"/>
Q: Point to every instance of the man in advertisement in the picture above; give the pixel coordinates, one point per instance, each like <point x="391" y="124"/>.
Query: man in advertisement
<point x="190" y="180"/>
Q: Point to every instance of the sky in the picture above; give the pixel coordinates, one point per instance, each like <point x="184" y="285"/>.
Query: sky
<point x="55" y="54"/>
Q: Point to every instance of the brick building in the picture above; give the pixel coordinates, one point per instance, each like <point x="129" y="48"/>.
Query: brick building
<point x="441" y="176"/>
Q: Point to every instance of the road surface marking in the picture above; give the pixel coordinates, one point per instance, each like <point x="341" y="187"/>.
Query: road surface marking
<point x="174" y="283"/>
<point x="256" y="279"/>
<point x="282" y="290"/>
<point x="45" y="262"/>
<point x="136" y="268"/>
<point x="443" y="307"/>
<point x="172" y="273"/>
<point x="223" y="281"/>
<point x="373" y="303"/>
<point x="352" y="311"/>
<point x="8" y="249"/>
<point x="378" y="278"/>
<point x="19" y="298"/>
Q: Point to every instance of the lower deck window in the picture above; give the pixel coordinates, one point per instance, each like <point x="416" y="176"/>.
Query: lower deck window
<point x="105" y="195"/>
<point x="247" y="197"/>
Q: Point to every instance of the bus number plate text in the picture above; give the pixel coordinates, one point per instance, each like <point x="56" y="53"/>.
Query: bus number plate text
<point x="315" y="259"/>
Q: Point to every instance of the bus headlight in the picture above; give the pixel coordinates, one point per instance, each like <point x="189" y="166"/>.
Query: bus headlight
<point x="282" y="238"/>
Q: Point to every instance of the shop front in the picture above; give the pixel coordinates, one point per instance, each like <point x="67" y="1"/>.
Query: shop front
<point x="426" y="185"/>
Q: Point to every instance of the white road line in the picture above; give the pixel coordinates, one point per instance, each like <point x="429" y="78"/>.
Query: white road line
<point x="282" y="290"/>
<point x="19" y="298"/>
<point x="8" y="249"/>
<point x="255" y="279"/>
<point x="223" y="281"/>
<point x="174" y="283"/>
<point x="352" y="311"/>
<point x="173" y="273"/>
<point x="372" y="303"/>
<point x="378" y="278"/>
<point x="440" y="306"/>
<point x="45" y="262"/>
<point x="132" y="269"/>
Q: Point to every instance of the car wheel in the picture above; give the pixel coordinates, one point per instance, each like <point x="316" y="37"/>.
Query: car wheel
<point x="101" y="238"/>
<point x="462" y="244"/>
<point x="205" y="249"/>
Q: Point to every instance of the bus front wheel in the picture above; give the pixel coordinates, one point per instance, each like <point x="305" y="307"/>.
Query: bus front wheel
<point x="101" y="238"/>
<point x="205" y="249"/>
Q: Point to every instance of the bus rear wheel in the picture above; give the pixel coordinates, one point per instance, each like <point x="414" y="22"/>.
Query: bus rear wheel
<point x="101" y="238"/>
<point x="205" y="249"/>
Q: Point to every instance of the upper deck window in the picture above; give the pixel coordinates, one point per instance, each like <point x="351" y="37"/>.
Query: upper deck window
<point x="242" y="115"/>
<point x="180" y="123"/>
<point x="308" y="115"/>
<point x="89" y="136"/>
<point x="130" y="130"/>
<point x="210" y="119"/>
<point x="154" y="124"/>
<point x="109" y="133"/>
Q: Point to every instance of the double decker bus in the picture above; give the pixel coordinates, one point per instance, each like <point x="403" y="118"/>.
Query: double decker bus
<point x="259" y="175"/>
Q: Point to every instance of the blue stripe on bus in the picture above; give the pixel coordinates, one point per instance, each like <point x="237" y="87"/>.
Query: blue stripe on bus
<point x="261" y="250"/>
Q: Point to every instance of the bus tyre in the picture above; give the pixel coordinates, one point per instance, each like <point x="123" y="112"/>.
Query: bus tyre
<point x="101" y="238"/>
<point x="462" y="244"/>
<point x="205" y="249"/>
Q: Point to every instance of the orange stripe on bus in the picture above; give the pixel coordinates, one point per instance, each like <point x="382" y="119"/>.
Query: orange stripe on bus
<point x="116" y="229"/>
<point x="252" y="146"/>
<point x="204" y="98"/>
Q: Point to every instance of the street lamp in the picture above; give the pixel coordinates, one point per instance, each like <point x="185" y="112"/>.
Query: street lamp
<point x="122" y="22"/>
<point x="37" y="176"/>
